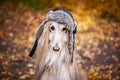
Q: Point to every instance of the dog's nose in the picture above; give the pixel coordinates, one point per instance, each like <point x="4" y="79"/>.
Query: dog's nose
<point x="56" y="47"/>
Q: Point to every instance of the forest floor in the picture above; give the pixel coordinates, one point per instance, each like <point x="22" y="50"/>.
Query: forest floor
<point x="99" y="46"/>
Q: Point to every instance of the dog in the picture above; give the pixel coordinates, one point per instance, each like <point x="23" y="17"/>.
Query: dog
<point x="54" y="46"/>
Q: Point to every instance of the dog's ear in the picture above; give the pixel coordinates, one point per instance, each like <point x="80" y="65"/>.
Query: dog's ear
<point x="38" y="34"/>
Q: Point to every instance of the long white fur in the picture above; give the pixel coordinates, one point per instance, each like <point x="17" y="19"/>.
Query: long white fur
<point x="52" y="65"/>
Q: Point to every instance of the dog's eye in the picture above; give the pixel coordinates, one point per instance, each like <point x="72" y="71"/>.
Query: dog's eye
<point x="64" y="29"/>
<point x="52" y="28"/>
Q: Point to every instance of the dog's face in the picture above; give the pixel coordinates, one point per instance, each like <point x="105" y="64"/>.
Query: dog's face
<point x="58" y="37"/>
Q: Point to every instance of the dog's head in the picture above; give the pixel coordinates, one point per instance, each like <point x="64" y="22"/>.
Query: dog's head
<point x="58" y="36"/>
<point x="62" y="30"/>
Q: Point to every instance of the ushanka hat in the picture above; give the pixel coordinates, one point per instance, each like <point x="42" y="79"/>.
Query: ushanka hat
<point x="61" y="16"/>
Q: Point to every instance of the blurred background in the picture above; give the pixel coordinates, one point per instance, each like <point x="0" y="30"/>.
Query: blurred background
<point x="97" y="39"/>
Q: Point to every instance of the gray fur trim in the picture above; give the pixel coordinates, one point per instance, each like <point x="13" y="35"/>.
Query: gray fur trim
<point x="61" y="17"/>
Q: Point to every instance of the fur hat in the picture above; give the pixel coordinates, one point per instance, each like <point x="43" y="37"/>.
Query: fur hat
<point x="60" y="16"/>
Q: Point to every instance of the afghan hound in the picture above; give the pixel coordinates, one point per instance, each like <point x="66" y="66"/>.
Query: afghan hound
<point x="53" y="55"/>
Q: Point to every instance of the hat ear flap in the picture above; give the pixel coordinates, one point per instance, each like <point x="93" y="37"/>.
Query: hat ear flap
<point x="40" y="29"/>
<point x="71" y="43"/>
<point x="38" y="34"/>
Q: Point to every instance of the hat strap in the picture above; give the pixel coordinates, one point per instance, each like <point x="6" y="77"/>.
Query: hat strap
<point x="34" y="48"/>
